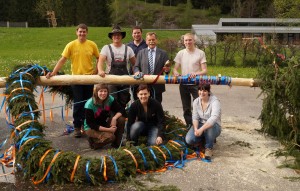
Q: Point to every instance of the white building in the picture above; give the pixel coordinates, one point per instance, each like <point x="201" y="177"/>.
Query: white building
<point x="286" y="31"/>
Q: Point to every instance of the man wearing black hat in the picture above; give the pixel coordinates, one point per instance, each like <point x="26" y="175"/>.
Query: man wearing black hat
<point x="117" y="56"/>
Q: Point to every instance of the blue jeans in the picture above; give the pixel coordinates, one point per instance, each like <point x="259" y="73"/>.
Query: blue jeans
<point x="209" y="134"/>
<point x="139" y="128"/>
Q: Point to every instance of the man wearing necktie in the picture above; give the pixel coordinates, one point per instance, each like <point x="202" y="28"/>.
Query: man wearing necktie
<point x="151" y="61"/>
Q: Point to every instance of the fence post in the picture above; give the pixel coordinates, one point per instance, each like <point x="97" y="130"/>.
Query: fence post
<point x="7" y="24"/>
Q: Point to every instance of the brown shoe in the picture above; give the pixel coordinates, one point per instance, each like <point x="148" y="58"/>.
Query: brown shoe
<point x="208" y="153"/>
<point x="91" y="142"/>
<point x="77" y="132"/>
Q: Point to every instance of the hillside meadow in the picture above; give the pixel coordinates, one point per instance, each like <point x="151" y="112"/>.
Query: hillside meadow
<point x="44" y="46"/>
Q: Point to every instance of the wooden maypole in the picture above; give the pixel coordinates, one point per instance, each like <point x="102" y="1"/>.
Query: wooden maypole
<point x="147" y="79"/>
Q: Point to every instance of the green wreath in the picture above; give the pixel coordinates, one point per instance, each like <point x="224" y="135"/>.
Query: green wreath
<point x="40" y="162"/>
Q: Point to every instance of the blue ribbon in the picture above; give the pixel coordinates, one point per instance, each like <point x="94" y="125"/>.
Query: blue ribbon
<point x="29" y="152"/>
<point x="102" y="162"/>
<point x="21" y="81"/>
<point x="180" y="142"/>
<point x="3" y="143"/>
<point x="170" y="154"/>
<point x="206" y="160"/>
<point x="2" y="103"/>
<point x="28" y="129"/>
<point x="17" y="96"/>
<point x="153" y="154"/>
<point x="19" y="144"/>
<point x="199" y="79"/>
<point x="143" y="157"/>
<point x="115" y="165"/>
<point x="87" y="171"/>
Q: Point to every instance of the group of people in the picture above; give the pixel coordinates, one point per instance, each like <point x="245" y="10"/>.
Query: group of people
<point x="100" y="109"/>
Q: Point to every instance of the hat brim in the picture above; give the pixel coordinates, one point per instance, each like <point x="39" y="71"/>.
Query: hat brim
<point x="122" y="33"/>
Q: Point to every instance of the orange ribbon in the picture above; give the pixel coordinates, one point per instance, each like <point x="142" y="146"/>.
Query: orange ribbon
<point x="74" y="168"/>
<point x="48" y="169"/>
<point x="133" y="158"/>
<point x="43" y="157"/>
<point x="104" y="169"/>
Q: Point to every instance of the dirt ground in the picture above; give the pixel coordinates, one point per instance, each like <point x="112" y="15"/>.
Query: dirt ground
<point x="242" y="158"/>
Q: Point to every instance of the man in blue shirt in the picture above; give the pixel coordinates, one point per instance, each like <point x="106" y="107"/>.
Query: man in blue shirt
<point x="136" y="45"/>
<point x="138" y="42"/>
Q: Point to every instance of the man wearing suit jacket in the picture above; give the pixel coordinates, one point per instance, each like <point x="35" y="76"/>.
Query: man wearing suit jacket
<point x="151" y="61"/>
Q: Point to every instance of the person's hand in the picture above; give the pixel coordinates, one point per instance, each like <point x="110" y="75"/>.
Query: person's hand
<point x="159" y="140"/>
<point x="199" y="132"/>
<point x="112" y="129"/>
<point x="49" y="75"/>
<point x="113" y="122"/>
<point x="136" y="73"/>
<point x="167" y="69"/>
<point x="168" y="63"/>
<point x="193" y="75"/>
<point x="175" y="73"/>
<point x="101" y="73"/>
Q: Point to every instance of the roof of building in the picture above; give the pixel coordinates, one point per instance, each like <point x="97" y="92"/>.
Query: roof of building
<point x="249" y="25"/>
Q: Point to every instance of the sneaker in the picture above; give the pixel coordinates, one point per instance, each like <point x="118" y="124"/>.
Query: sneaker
<point x="208" y="153"/>
<point x="77" y="132"/>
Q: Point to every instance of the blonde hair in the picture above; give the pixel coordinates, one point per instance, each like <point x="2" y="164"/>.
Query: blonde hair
<point x="190" y="35"/>
<point x="151" y="33"/>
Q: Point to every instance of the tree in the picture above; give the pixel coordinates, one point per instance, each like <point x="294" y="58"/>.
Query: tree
<point x="4" y="10"/>
<point x="93" y="12"/>
<point x="230" y="46"/>
<point x="249" y="9"/>
<point x="236" y="9"/>
<point x="202" y="4"/>
<point x="42" y="6"/>
<point x="287" y="8"/>
<point x="68" y="13"/>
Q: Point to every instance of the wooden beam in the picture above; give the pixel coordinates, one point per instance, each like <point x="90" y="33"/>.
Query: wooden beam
<point x="125" y="79"/>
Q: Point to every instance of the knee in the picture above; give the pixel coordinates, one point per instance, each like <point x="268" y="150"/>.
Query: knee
<point x="137" y="125"/>
<point x="188" y="140"/>
<point x="121" y="122"/>
<point x="135" y="129"/>
<point x="151" y="142"/>
<point x="113" y="137"/>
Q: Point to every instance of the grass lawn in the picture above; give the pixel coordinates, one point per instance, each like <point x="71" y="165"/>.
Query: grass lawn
<point x="44" y="46"/>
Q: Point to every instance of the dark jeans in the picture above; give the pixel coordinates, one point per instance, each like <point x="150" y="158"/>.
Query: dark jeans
<point x="81" y="94"/>
<point x="120" y="93"/>
<point x="139" y="128"/>
<point x="186" y="93"/>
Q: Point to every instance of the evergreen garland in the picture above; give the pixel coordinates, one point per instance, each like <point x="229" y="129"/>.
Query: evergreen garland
<point x="42" y="163"/>
<point x="280" y="115"/>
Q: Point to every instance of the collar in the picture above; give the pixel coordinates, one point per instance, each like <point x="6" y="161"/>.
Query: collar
<point x="154" y="49"/>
